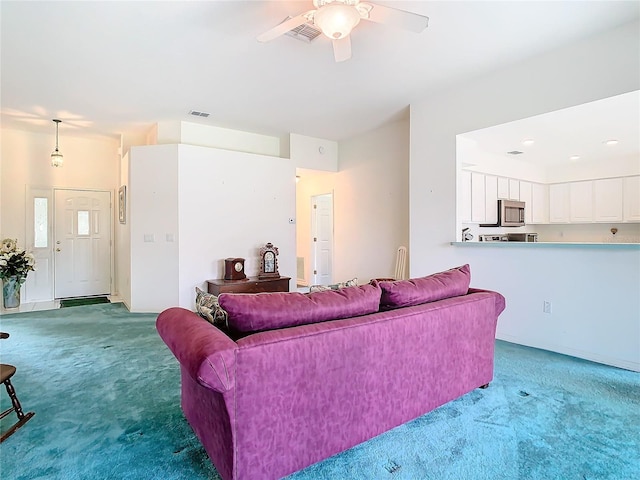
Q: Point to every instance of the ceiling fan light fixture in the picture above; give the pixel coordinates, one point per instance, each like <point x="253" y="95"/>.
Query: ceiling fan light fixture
<point x="56" y="157"/>
<point x="336" y="20"/>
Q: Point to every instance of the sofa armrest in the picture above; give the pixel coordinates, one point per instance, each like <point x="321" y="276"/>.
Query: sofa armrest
<point x="499" y="299"/>
<point x="206" y="353"/>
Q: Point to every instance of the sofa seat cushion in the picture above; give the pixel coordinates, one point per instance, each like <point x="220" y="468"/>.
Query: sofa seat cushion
<point x="406" y="293"/>
<point x="268" y="311"/>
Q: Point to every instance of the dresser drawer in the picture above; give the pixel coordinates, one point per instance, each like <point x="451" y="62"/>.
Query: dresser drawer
<point x="249" y="285"/>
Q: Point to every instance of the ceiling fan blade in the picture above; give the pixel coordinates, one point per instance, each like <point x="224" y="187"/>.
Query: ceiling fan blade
<point x="284" y="27"/>
<point x="397" y="18"/>
<point x="342" y="49"/>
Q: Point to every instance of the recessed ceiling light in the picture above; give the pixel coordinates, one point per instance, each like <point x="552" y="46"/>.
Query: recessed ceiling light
<point x="527" y="142"/>
<point x="574" y="157"/>
<point x="613" y="141"/>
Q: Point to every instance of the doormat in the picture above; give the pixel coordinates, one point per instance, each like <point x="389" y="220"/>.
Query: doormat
<point x="76" y="302"/>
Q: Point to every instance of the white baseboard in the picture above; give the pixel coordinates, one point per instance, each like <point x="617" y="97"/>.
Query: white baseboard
<point x="586" y="355"/>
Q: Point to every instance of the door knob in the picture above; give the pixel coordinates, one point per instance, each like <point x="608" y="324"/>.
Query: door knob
<point x="57" y="249"/>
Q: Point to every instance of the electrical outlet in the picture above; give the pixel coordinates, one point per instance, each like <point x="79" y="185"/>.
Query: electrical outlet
<point x="546" y="307"/>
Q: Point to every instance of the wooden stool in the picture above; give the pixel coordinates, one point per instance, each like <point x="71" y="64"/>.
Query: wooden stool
<point x="6" y="372"/>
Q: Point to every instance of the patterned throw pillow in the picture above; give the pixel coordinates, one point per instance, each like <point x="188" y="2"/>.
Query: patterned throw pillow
<point x="336" y="286"/>
<point x="208" y="308"/>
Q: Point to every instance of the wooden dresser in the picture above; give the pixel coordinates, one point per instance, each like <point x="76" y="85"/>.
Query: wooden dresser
<point x="248" y="285"/>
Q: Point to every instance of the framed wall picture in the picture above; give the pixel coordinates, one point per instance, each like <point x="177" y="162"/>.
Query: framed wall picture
<point x="122" y="204"/>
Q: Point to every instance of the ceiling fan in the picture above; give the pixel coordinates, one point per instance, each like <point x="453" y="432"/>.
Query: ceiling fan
<point x="337" y="18"/>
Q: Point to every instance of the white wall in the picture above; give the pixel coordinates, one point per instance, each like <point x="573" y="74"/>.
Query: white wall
<point x="230" y="205"/>
<point x="313" y="153"/>
<point x="191" y="207"/>
<point x="588" y="232"/>
<point x="153" y="215"/>
<point x="311" y="183"/>
<point x="90" y="163"/>
<point x="123" y="239"/>
<point x="578" y="281"/>
<point x="370" y="203"/>
<point x="191" y="133"/>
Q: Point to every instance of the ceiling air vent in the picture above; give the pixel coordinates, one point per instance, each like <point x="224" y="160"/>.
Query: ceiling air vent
<point x="515" y="152"/>
<point x="198" y="114"/>
<point x="306" y="32"/>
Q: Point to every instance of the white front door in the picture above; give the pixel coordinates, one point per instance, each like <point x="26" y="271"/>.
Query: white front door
<point x="322" y="237"/>
<point x="82" y="243"/>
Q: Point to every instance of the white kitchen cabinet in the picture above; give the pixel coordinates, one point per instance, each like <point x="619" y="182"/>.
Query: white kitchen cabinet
<point x="491" y="199"/>
<point x="610" y="200"/>
<point x="631" y="199"/>
<point x="581" y="202"/>
<point x="526" y="196"/>
<point x="540" y="203"/>
<point x="464" y="184"/>
<point x="503" y="188"/>
<point x="478" y="209"/>
<point x="514" y="189"/>
<point x="607" y="200"/>
<point x="559" y="203"/>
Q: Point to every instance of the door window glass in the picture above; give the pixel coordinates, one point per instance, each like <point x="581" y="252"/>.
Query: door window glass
<point x="83" y="222"/>
<point x="41" y="222"/>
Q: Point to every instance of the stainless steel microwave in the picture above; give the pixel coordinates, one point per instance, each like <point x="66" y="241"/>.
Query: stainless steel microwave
<point x="510" y="214"/>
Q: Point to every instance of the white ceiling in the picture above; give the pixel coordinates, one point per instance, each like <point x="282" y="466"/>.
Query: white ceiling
<point x="580" y="131"/>
<point x="118" y="67"/>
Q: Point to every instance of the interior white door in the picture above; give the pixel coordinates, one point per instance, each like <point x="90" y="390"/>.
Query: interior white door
<point x="82" y="243"/>
<point x="322" y="232"/>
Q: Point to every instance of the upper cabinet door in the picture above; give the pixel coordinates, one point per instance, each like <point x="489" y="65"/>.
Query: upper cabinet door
<point x="464" y="184"/>
<point x="559" y="203"/>
<point x="540" y="203"/>
<point x="478" y="209"/>
<point x="607" y="200"/>
<point x="581" y="201"/>
<point x="514" y="189"/>
<point x="631" y="199"/>
<point x="503" y="188"/>
<point x="491" y="199"/>
<point x="526" y="196"/>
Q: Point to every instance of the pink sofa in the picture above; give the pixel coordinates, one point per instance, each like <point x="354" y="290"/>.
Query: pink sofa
<point x="273" y="402"/>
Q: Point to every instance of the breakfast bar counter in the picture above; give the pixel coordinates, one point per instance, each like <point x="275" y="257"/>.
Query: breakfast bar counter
<point x="598" y="245"/>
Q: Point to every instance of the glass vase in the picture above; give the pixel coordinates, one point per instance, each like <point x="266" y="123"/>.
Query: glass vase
<point x="11" y="292"/>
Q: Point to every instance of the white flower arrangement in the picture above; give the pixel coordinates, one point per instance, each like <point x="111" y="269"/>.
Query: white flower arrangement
<point x="15" y="262"/>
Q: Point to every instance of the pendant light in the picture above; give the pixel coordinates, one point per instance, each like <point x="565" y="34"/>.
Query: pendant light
<point x="56" y="157"/>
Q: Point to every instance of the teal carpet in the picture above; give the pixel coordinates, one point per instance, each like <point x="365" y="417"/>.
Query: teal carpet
<point x="105" y="391"/>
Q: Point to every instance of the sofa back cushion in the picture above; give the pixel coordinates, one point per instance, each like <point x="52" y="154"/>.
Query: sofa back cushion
<point x="268" y="311"/>
<point x="405" y="293"/>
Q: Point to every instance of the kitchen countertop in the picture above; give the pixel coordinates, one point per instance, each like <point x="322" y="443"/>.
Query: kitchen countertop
<point x="633" y="246"/>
